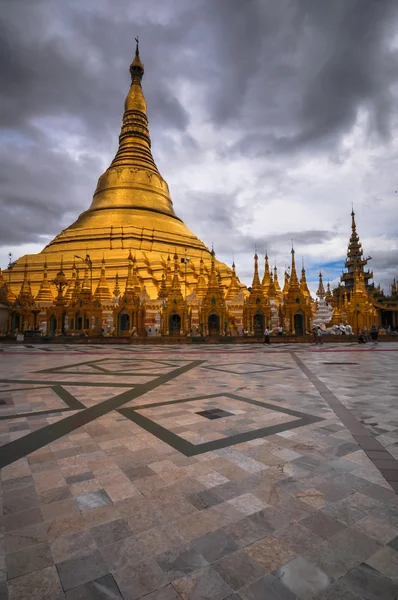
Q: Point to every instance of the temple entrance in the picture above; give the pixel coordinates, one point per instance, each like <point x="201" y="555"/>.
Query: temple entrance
<point x="15" y="322"/>
<point x="124" y="322"/>
<point x="53" y="325"/>
<point x="174" y="324"/>
<point x="258" y="324"/>
<point x="79" y="322"/>
<point x="214" y="324"/>
<point x="299" y="324"/>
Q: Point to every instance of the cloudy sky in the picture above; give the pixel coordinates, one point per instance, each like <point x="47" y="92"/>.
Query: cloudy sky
<point x="268" y="119"/>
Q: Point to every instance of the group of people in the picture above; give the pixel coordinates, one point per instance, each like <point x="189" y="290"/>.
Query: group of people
<point x="267" y="334"/>
<point x="364" y="338"/>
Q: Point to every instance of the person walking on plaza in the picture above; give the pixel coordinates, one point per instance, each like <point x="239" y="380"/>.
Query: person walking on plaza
<point x="266" y="336"/>
<point x="314" y="336"/>
<point x="319" y="339"/>
<point x="374" y="334"/>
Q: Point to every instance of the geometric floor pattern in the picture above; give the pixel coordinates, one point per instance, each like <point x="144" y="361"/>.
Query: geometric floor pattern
<point x="199" y="473"/>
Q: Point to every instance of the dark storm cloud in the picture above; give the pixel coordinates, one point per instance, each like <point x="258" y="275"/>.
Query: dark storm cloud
<point x="313" y="64"/>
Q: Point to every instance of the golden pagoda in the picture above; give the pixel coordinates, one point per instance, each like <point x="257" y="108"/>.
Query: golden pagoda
<point x="131" y="208"/>
<point x="102" y="292"/>
<point x="213" y="312"/>
<point x="303" y="284"/>
<point x="234" y="287"/>
<point x="297" y="310"/>
<point x="267" y="276"/>
<point x="256" y="308"/>
<point x="45" y="296"/>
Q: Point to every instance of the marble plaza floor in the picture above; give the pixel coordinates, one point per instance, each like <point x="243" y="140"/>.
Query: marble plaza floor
<point x="211" y="472"/>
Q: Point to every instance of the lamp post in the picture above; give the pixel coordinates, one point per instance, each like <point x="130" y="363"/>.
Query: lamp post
<point x="89" y="263"/>
<point x="10" y="266"/>
<point x="186" y="260"/>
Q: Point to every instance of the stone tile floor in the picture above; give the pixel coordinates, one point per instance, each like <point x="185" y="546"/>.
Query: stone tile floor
<point x="114" y="485"/>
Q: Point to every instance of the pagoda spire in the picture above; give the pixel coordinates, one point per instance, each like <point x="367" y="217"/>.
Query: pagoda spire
<point x="256" y="285"/>
<point x="25" y="296"/>
<point x="355" y="259"/>
<point x="266" y="279"/>
<point x="116" y="289"/>
<point x="102" y="292"/>
<point x="72" y="284"/>
<point x="294" y="282"/>
<point x="201" y="285"/>
<point x="286" y="285"/>
<point x="303" y="283"/>
<point x="86" y="281"/>
<point x="234" y="288"/>
<point x="45" y="295"/>
<point x="321" y="290"/>
<point x="169" y="275"/>
<point x="271" y="287"/>
<point x="162" y="294"/>
<point x="276" y="282"/>
<point x="76" y="288"/>
<point x="175" y="290"/>
<point x="129" y="281"/>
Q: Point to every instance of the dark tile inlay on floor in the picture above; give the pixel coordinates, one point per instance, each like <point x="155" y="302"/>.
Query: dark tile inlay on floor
<point x="214" y="413"/>
<point x="189" y="449"/>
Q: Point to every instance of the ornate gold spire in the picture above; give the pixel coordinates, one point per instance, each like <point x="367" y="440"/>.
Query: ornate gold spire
<point x="276" y="282"/>
<point x="271" y="287"/>
<point x="133" y="179"/>
<point x="286" y="285"/>
<point x="303" y="283"/>
<point x="169" y="274"/>
<point x="116" y="289"/>
<point x="234" y="287"/>
<point x="163" y="288"/>
<point x="45" y="295"/>
<point x="355" y="259"/>
<point x="293" y="282"/>
<point x="86" y="287"/>
<point x="175" y="291"/>
<point x="136" y="281"/>
<point x="220" y="283"/>
<point x="129" y="288"/>
<point x="72" y="284"/>
<point x="61" y="283"/>
<point x="76" y="288"/>
<point x="321" y="290"/>
<point x="25" y="297"/>
<point x="213" y="287"/>
<point x="103" y="293"/>
<point x="257" y="291"/>
<point x="256" y="279"/>
<point x="267" y="277"/>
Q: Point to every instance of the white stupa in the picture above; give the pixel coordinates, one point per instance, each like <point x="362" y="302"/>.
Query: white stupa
<point x="324" y="311"/>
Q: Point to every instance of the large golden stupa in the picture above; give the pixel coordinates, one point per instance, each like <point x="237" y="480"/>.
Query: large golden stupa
<point x="131" y="211"/>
